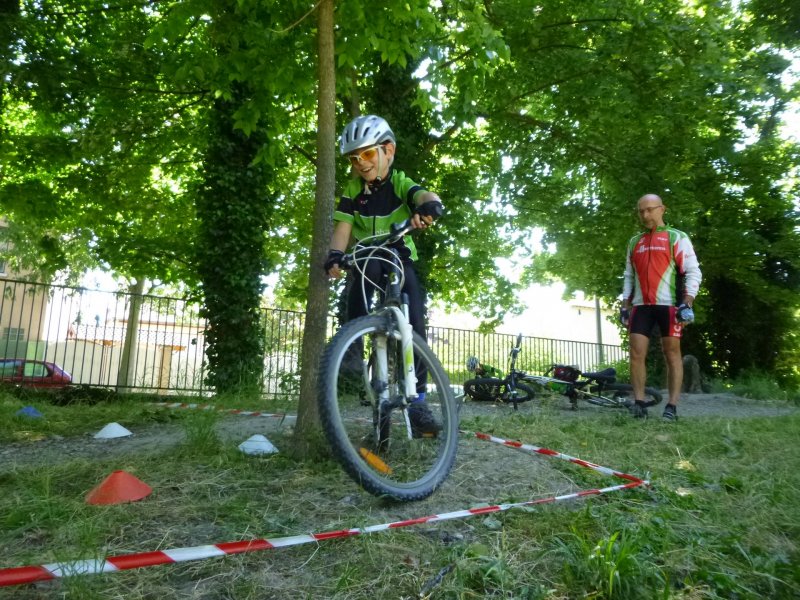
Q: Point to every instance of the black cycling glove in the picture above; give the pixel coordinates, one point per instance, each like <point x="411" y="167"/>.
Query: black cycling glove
<point x="334" y="258"/>
<point x="434" y="209"/>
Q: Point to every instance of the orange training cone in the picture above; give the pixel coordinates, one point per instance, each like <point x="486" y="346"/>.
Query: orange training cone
<point x="119" y="487"/>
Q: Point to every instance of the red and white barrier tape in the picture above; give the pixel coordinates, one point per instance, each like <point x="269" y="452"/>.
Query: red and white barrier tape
<point x="111" y="564"/>
<point x="554" y="454"/>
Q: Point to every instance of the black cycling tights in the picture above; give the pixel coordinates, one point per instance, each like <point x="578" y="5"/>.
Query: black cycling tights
<point x="416" y="303"/>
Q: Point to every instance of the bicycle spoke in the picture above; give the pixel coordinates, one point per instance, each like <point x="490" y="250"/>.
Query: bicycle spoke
<point x="363" y="407"/>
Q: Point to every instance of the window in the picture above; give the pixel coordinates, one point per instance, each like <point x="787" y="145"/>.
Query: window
<point x="35" y="370"/>
<point x="14" y="334"/>
<point x="8" y="368"/>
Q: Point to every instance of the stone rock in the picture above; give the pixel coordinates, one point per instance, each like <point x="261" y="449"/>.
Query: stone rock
<point x="692" y="379"/>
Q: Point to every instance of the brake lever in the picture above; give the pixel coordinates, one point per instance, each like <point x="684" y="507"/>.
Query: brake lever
<point x="398" y="230"/>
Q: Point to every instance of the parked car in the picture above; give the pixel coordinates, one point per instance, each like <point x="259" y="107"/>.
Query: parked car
<point x="33" y="373"/>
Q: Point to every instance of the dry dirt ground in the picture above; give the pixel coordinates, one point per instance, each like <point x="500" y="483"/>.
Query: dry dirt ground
<point x="483" y="473"/>
<point x="236" y="429"/>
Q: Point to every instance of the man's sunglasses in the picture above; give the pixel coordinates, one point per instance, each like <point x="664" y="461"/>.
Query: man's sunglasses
<point x="365" y="155"/>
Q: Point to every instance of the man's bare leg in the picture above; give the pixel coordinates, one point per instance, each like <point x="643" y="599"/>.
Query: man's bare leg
<point x="674" y="360"/>
<point x="639" y="345"/>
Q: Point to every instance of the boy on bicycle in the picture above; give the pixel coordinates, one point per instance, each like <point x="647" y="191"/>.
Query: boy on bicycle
<point x="377" y="197"/>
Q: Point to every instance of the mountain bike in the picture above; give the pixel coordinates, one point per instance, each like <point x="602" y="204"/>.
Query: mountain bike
<point x="509" y="389"/>
<point x="368" y="382"/>
<point x="598" y="388"/>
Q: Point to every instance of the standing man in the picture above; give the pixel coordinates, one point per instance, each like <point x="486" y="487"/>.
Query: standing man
<point x="651" y="297"/>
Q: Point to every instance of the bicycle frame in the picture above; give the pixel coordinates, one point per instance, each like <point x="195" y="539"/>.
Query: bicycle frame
<point x="513" y="374"/>
<point x="509" y="387"/>
<point x="573" y="389"/>
<point x="370" y="370"/>
<point x="395" y="305"/>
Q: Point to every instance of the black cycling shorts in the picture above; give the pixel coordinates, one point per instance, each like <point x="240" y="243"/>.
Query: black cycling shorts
<point x="647" y="316"/>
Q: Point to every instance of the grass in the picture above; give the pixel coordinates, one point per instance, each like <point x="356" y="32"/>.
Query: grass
<point x="756" y="385"/>
<point x="721" y="520"/>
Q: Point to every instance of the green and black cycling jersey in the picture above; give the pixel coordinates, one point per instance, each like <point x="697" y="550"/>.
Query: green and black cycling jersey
<point x="490" y="371"/>
<point x="372" y="210"/>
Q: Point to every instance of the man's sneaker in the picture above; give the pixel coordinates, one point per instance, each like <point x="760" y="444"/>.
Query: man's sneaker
<point x="638" y="410"/>
<point x="670" y="413"/>
<point x="423" y="423"/>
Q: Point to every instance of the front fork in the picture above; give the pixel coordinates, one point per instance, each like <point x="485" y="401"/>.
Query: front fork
<point x="408" y="386"/>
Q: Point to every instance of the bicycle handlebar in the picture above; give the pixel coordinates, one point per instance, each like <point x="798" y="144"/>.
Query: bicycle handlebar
<point x="396" y="233"/>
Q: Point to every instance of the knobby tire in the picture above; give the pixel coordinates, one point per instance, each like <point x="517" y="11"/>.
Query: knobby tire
<point x="394" y="467"/>
<point x="484" y="389"/>
<point x="492" y="389"/>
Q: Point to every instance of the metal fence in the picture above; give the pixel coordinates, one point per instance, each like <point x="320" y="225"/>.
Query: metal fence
<point x="84" y="331"/>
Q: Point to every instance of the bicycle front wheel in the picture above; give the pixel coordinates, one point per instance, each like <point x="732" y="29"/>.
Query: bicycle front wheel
<point x="620" y="395"/>
<point x="364" y="417"/>
<point x="484" y="389"/>
<point x="522" y="393"/>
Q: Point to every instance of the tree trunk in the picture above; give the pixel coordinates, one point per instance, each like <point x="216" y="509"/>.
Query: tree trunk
<point x="234" y="207"/>
<point x="127" y="362"/>
<point x="307" y="438"/>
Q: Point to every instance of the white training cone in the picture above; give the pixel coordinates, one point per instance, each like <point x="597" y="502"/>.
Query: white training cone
<point x="112" y="430"/>
<point x="257" y="444"/>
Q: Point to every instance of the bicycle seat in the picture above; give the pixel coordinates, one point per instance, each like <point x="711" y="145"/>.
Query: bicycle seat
<point x="608" y="375"/>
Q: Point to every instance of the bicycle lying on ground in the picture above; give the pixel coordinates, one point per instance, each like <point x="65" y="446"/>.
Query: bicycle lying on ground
<point x="368" y="384"/>
<point x="600" y="388"/>
<point x="509" y="389"/>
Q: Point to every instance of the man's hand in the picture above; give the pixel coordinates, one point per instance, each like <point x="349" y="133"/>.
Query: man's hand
<point x="624" y="316"/>
<point x="684" y="314"/>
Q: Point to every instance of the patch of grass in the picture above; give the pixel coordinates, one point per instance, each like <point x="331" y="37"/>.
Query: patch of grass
<point x="721" y="519"/>
<point x="72" y="420"/>
<point x="757" y="386"/>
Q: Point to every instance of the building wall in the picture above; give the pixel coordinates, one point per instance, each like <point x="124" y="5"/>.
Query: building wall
<point x="547" y="315"/>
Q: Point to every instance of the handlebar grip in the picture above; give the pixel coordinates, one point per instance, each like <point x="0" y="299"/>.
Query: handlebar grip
<point x="396" y="228"/>
<point x="431" y="208"/>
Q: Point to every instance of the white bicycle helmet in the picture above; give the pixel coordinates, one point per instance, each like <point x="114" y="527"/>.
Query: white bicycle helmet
<point x="472" y="363"/>
<point x="363" y="131"/>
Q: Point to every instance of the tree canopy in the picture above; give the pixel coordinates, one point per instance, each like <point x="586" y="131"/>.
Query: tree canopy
<point x="554" y="117"/>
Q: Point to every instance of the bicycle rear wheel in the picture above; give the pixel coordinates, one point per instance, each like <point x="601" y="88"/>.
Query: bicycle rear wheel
<point x="620" y="395"/>
<point x="374" y="444"/>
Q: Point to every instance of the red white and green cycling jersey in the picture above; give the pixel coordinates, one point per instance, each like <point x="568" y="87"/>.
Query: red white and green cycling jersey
<point x="653" y="261"/>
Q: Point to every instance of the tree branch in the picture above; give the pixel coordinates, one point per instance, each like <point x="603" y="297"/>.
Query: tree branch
<point x="582" y="21"/>
<point x="311" y="158"/>
<point x="89" y="11"/>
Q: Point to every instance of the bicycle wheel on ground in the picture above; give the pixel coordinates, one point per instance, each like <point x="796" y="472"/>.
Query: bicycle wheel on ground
<point x="376" y="446"/>
<point x="484" y="389"/>
<point x="522" y="393"/>
<point x="620" y="395"/>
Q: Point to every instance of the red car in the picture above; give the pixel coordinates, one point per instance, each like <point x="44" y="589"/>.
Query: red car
<point x="33" y="373"/>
